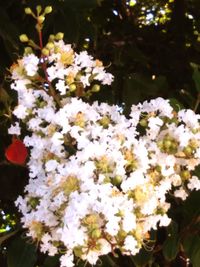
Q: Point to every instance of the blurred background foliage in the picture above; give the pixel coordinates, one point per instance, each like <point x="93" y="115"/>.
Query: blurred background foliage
<point x="153" y="49"/>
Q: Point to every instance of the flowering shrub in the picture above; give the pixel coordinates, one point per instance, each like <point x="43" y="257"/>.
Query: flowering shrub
<point x="98" y="180"/>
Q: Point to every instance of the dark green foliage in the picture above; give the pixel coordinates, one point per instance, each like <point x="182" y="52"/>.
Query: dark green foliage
<point x="21" y="253"/>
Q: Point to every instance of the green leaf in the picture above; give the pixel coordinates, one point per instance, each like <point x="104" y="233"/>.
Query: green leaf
<point x="191" y="246"/>
<point x="177" y="106"/>
<point x="171" y="244"/>
<point x="142" y="258"/>
<point x="4" y="97"/>
<point x="51" y="261"/>
<point x="190" y="208"/>
<point x="6" y="236"/>
<point x="196" y="76"/>
<point x="21" y="253"/>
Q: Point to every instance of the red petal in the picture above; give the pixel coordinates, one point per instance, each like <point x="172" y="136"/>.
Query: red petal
<point x="16" y="152"/>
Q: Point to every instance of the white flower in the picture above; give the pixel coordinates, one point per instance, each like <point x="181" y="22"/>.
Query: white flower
<point x="131" y="245"/>
<point x="20" y="112"/>
<point x="67" y="260"/>
<point x="164" y="220"/>
<point x="129" y="222"/>
<point x="15" y="129"/>
<point x="181" y="193"/>
<point x="51" y="165"/>
<point x="31" y="64"/>
<point x="61" y="87"/>
<point x="91" y="170"/>
<point x="194" y="183"/>
<point x="57" y="139"/>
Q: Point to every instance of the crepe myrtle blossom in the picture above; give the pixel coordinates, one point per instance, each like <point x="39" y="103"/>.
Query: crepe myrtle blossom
<point x="97" y="183"/>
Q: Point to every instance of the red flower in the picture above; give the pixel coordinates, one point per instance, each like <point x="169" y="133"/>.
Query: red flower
<point x="16" y="152"/>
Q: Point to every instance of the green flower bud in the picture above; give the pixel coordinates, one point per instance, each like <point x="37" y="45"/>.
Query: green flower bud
<point x="33" y="202"/>
<point x="78" y="251"/>
<point x="106" y="180"/>
<point x="143" y="122"/>
<point x="185" y="175"/>
<point x="72" y="87"/>
<point x="96" y="233"/>
<point x="104" y="121"/>
<point x="28" y="50"/>
<point x="188" y="151"/>
<point x="41" y="19"/>
<point x="48" y="9"/>
<point x="122" y="234"/>
<point x="78" y="76"/>
<point x="39" y="9"/>
<point x="28" y="11"/>
<point x="45" y="51"/>
<point x="51" y="37"/>
<point x="59" y="36"/>
<point x="23" y="38"/>
<point x="117" y="180"/>
<point x="95" y="88"/>
<point x="50" y="45"/>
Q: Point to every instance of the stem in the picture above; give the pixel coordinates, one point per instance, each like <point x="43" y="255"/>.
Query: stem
<point x="44" y="67"/>
<point x="39" y="29"/>
<point x="197" y="103"/>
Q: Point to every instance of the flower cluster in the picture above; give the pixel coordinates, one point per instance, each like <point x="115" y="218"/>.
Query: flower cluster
<point x="98" y="180"/>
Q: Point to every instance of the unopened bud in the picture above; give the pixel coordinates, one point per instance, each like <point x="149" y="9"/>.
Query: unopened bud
<point x="48" y="9"/>
<point x="117" y="180"/>
<point x="95" y="88"/>
<point x="23" y="38"/>
<point x="45" y="51"/>
<point x="72" y="87"/>
<point x="188" y="151"/>
<point x="185" y="175"/>
<point x="41" y="19"/>
<point x="28" y="50"/>
<point x="39" y="9"/>
<point x="96" y="233"/>
<point x="51" y="37"/>
<point x="59" y="36"/>
<point x="50" y="45"/>
<point x="28" y="11"/>
<point x="143" y="123"/>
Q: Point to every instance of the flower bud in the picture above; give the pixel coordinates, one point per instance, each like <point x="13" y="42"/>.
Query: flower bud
<point x="72" y="87"/>
<point x="51" y="37"/>
<point x="185" y="175"/>
<point x="39" y="9"/>
<point x="104" y="121"/>
<point x="48" y="9"/>
<point x="143" y="122"/>
<point x="28" y="11"/>
<point x="95" y="88"/>
<point x="188" y="151"/>
<point x="117" y="180"/>
<point x="33" y="202"/>
<point x="50" y="45"/>
<point x="78" y="76"/>
<point x="41" y="19"/>
<point x="59" y="36"/>
<point x="23" y="38"/>
<point x="28" y="50"/>
<point x="45" y="51"/>
<point x="96" y="233"/>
